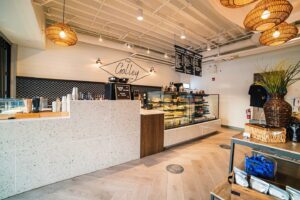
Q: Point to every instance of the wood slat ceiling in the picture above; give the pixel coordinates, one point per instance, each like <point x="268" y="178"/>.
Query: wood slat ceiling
<point x="164" y="21"/>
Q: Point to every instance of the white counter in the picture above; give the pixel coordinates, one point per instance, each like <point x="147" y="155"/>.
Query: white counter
<point x="97" y="135"/>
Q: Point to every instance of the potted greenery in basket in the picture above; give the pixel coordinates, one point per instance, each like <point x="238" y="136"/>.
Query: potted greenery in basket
<point x="276" y="81"/>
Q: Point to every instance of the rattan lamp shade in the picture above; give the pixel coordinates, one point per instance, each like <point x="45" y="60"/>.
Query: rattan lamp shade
<point x="279" y="11"/>
<point x="53" y="33"/>
<point x="285" y="32"/>
<point x="236" y="3"/>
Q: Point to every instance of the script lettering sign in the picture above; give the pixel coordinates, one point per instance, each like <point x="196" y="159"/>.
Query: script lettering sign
<point x="126" y="68"/>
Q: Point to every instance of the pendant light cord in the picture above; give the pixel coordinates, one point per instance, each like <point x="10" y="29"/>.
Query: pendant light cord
<point x="64" y="11"/>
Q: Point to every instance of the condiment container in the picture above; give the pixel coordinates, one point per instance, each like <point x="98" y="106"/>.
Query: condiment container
<point x="58" y="105"/>
<point x="64" y="104"/>
<point x="27" y="105"/>
<point x="53" y="106"/>
<point x="75" y="93"/>
<point x="69" y="98"/>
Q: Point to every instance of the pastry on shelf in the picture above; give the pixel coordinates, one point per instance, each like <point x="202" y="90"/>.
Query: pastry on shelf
<point x="169" y="115"/>
<point x="155" y="100"/>
<point x="178" y="114"/>
<point x="181" y="107"/>
<point x="167" y="100"/>
<point x="181" y="99"/>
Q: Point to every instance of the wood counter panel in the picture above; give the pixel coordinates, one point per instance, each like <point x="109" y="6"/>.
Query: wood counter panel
<point x="152" y="134"/>
<point x="41" y="114"/>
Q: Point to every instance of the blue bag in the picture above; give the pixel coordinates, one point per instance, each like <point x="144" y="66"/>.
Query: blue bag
<point x="260" y="166"/>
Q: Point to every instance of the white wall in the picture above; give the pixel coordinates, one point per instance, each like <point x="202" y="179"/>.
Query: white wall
<point x="233" y="79"/>
<point x="78" y="63"/>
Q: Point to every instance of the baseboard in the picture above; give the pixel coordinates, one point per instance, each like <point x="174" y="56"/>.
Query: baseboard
<point x="232" y="127"/>
<point x="191" y="140"/>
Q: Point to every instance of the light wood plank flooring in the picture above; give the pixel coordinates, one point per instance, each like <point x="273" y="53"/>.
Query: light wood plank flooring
<point x="205" y="165"/>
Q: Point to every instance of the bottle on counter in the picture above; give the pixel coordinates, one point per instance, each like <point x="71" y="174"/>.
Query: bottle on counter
<point x="69" y="98"/>
<point x="58" y="105"/>
<point x="64" y="104"/>
<point x="53" y="106"/>
<point x="75" y="93"/>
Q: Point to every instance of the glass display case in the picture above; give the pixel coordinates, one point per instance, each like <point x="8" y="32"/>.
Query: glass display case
<point x="182" y="109"/>
<point x="11" y="106"/>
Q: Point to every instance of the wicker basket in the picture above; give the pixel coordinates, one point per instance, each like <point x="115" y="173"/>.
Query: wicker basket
<point x="297" y="116"/>
<point x="269" y="135"/>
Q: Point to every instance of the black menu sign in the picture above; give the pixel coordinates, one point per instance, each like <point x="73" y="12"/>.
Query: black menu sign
<point x="187" y="61"/>
<point x="198" y="65"/>
<point x="179" y="60"/>
<point x="123" y="92"/>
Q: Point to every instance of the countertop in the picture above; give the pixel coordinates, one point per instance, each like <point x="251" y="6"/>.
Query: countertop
<point x="151" y="112"/>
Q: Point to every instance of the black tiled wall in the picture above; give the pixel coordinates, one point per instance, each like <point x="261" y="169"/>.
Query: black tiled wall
<point x="28" y="87"/>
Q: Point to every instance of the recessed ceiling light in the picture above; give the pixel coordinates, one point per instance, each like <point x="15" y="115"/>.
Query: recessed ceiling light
<point x="208" y="48"/>
<point x="128" y="45"/>
<point x="166" y="56"/>
<point x="148" y="51"/>
<point x="140" y="15"/>
<point x="100" y="39"/>
<point x="183" y="36"/>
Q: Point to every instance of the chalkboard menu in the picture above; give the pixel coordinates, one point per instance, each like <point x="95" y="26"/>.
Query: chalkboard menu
<point x="179" y="60"/>
<point x="187" y="61"/>
<point x="198" y="65"/>
<point x="123" y="92"/>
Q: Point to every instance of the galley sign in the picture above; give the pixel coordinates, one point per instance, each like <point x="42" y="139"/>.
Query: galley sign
<point x="126" y="68"/>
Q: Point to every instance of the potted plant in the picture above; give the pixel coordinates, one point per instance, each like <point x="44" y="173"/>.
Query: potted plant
<point x="276" y="81"/>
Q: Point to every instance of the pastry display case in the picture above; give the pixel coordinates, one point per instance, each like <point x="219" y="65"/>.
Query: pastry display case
<point x="182" y="109"/>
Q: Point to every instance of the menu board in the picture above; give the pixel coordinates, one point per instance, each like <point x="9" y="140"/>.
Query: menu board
<point x="179" y="60"/>
<point x="123" y="92"/>
<point x="198" y="65"/>
<point x="187" y="61"/>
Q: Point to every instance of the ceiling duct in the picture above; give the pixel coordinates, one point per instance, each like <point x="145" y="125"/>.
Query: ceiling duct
<point x="249" y="52"/>
<point x="153" y="59"/>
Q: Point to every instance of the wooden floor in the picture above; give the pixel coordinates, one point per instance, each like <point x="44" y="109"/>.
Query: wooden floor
<point x="205" y="165"/>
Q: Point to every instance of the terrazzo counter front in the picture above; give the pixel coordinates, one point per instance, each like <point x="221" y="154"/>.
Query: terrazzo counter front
<point x="97" y="135"/>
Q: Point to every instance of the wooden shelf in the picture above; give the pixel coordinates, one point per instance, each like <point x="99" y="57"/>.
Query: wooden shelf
<point x="40" y="115"/>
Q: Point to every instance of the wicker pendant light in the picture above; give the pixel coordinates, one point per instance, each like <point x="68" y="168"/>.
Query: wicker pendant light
<point x="279" y="34"/>
<point x="61" y="34"/>
<point x="267" y="14"/>
<point x="236" y="3"/>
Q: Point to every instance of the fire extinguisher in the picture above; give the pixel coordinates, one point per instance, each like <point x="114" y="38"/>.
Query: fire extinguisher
<point x="248" y="113"/>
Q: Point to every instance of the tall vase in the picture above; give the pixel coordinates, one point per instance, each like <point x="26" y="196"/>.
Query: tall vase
<point x="278" y="112"/>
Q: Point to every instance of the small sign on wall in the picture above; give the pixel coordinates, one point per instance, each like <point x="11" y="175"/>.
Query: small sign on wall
<point x="123" y="92"/>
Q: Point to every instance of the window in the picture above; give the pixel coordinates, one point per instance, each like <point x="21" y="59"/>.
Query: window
<point x="5" y="51"/>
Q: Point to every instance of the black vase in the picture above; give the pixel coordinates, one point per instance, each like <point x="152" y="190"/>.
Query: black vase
<point x="35" y="104"/>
